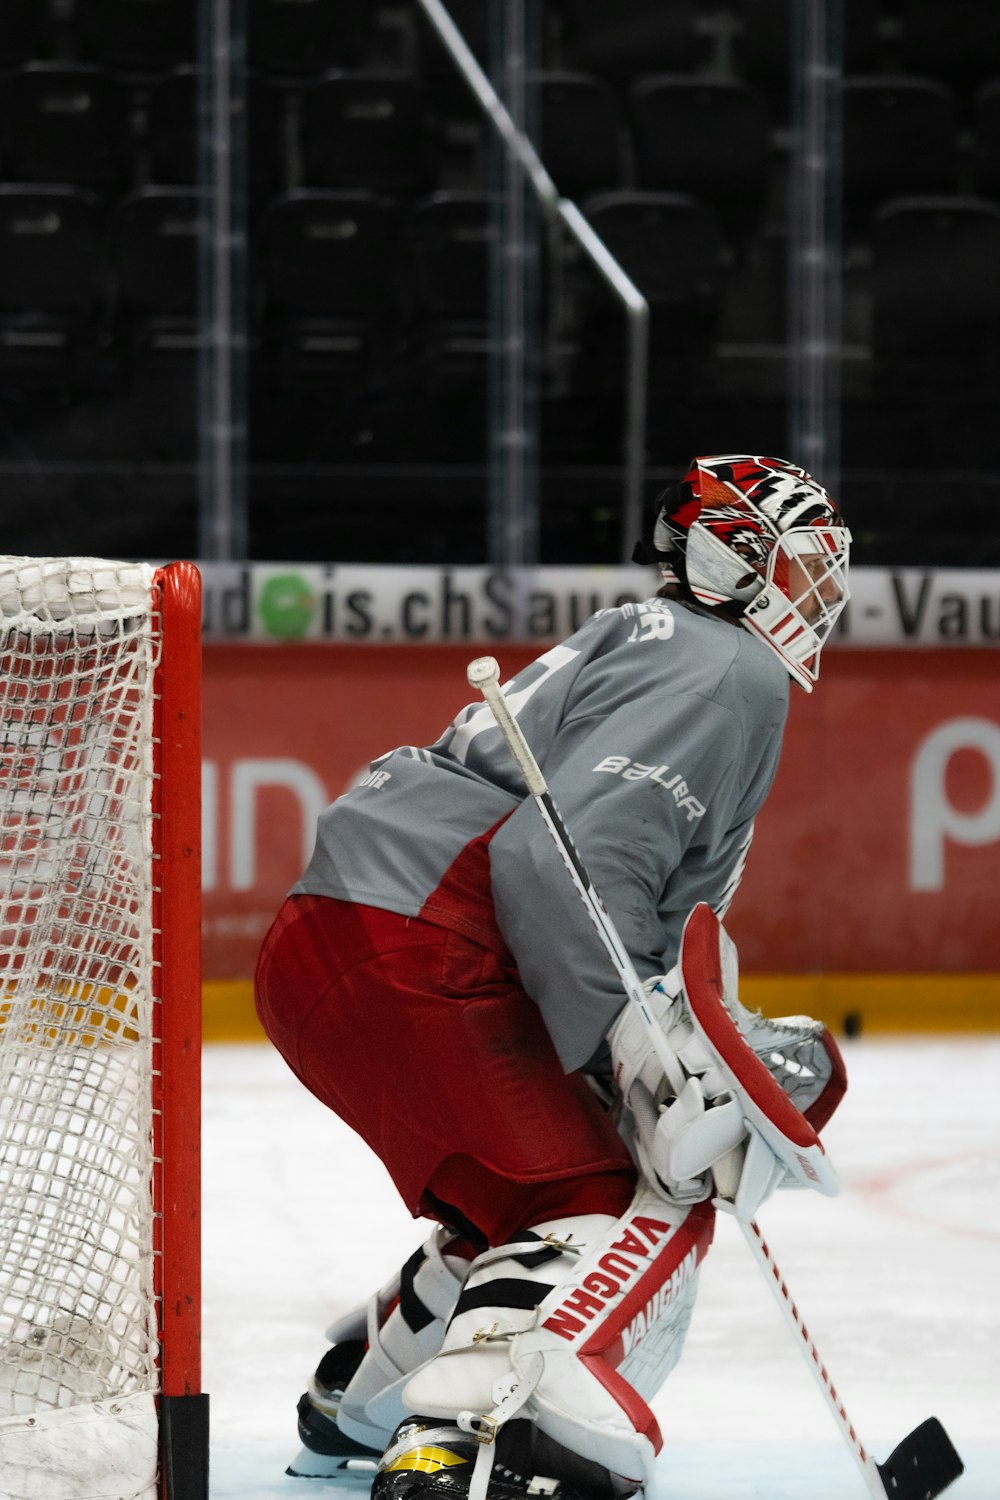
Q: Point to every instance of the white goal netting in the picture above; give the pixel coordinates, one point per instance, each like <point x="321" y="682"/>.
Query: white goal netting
<point x="77" y="655"/>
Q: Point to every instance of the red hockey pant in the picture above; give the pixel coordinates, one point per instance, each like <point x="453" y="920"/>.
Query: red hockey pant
<point x="425" y="1044"/>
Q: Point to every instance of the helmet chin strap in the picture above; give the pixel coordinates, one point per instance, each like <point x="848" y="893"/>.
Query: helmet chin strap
<point x="779" y="624"/>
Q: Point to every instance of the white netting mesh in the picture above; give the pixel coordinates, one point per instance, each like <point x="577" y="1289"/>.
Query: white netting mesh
<point x="77" y="655"/>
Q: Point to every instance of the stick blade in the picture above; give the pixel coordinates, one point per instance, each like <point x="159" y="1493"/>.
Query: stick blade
<point x="923" y="1464"/>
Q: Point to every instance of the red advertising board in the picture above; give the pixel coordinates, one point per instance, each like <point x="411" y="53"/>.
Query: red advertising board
<point x="878" y="851"/>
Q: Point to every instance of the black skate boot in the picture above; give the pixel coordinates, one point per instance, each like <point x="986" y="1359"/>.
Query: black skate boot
<point x="328" y="1453"/>
<point x="430" y="1458"/>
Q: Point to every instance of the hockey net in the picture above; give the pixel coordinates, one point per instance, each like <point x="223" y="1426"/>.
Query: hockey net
<point x="99" y="1028"/>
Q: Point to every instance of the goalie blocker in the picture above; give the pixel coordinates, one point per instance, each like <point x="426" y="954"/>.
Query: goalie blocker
<point x="782" y="1147"/>
<point x="737" y="1110"/>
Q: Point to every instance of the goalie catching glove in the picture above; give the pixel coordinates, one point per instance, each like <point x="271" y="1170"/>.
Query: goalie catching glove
<point x="757" y="1090"/>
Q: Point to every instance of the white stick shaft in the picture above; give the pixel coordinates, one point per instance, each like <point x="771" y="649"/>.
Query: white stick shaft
<point x="761" y="1253"/>
<point x="484" y="674"/>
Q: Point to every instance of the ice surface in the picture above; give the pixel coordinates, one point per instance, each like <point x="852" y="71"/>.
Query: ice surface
<point x="898" y="1281"/>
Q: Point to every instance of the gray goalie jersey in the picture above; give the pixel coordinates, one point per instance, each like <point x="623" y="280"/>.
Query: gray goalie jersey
<point x="658" y="728"/>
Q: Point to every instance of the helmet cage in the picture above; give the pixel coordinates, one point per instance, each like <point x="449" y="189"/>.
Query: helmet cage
<point x="803" y="594"/>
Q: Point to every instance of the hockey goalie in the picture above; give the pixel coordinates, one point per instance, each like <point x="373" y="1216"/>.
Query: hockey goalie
<point x="434" y="979"/>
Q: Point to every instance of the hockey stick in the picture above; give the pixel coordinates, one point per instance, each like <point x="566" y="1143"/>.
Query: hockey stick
<point x="925" y="1462"/>
<point x="484" y="674"/>
<point x="918" y="1468"/>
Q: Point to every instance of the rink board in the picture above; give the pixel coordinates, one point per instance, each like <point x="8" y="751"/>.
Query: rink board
<point x="876" y="858"/>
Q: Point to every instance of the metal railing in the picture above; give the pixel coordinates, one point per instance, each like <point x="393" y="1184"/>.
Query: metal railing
<point x="813" y="271"/>
<point x="560" y="211"/>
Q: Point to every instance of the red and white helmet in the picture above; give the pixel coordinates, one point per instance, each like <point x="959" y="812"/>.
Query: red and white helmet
<point x="759" y="534"/>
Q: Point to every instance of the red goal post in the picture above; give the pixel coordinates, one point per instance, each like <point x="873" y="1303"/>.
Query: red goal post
<point x="100" y="1031"/>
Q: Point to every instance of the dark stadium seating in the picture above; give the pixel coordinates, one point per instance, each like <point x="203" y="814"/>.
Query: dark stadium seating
<point x="958" y="43"/>
<point x="987" y="139"/>
<point x="64" y="122"/>
<point x="54" y="284"/>
<point x="672" y="247"/>
<point x="325" y="263"/>
<point x="328" y="251"/>
<point x="306" y="38"/>
<point x="154" y="235"/>
<point x="708" y="137"/>
<point x="767" y="38"/>
<point x="582" y="133"/>
<point x="50" y="247"/>
<point x="371" y="214"/>
<point x="447" y="240"/>
<point x="23" y="31"/>
<point x="366" y="130"/>
<point x="936" y="280"/>
<point x="900" y="136"/>
<point x="630" y="37"/>
<point x="139" y="34"/>
<point x="170" y="108"/>
<point x="470" y="17"/>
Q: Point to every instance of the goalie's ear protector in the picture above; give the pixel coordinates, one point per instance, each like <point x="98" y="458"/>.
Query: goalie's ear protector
<point x="761" y="539"/>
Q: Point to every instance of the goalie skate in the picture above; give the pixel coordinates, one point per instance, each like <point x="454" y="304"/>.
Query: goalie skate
<point x="352" y="1405"/>
<point x="327" y="1452"/>
<point x="432" y="1459"/>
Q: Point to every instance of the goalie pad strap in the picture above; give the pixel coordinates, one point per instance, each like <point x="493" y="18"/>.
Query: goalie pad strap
<point x="415" y="1312"/>
<point x="505" y="1290"/>
<point x="404" y="1325"/>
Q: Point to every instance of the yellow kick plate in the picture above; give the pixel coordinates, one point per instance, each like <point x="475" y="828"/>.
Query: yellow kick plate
<point x="429" y="1460"/>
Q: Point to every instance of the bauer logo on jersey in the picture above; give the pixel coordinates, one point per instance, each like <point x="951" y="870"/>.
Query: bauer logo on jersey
<point x="671" y="781"/>
<point x="653" y="620"/>
<point x="376" y="779"/>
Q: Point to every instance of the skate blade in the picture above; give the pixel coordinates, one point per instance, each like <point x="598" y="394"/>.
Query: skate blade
<point x="348" y="1473"/>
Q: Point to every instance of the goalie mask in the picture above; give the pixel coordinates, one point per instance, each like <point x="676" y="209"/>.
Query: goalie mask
<point x="762" y="538"/>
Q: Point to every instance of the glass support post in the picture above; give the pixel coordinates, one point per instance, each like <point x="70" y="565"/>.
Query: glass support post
<point x="222" y="281"/>
<point x="815" y="239"/>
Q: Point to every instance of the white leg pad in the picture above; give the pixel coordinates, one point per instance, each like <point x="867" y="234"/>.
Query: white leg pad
<point x="405" y="1325"/>
<point x="583" y="1350"/>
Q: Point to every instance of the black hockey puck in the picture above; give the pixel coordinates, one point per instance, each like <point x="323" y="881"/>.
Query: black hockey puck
<point x="852" y="1023"/>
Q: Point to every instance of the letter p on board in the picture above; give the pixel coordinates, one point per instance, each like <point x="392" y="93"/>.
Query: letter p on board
<point x="934" y="820"/>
